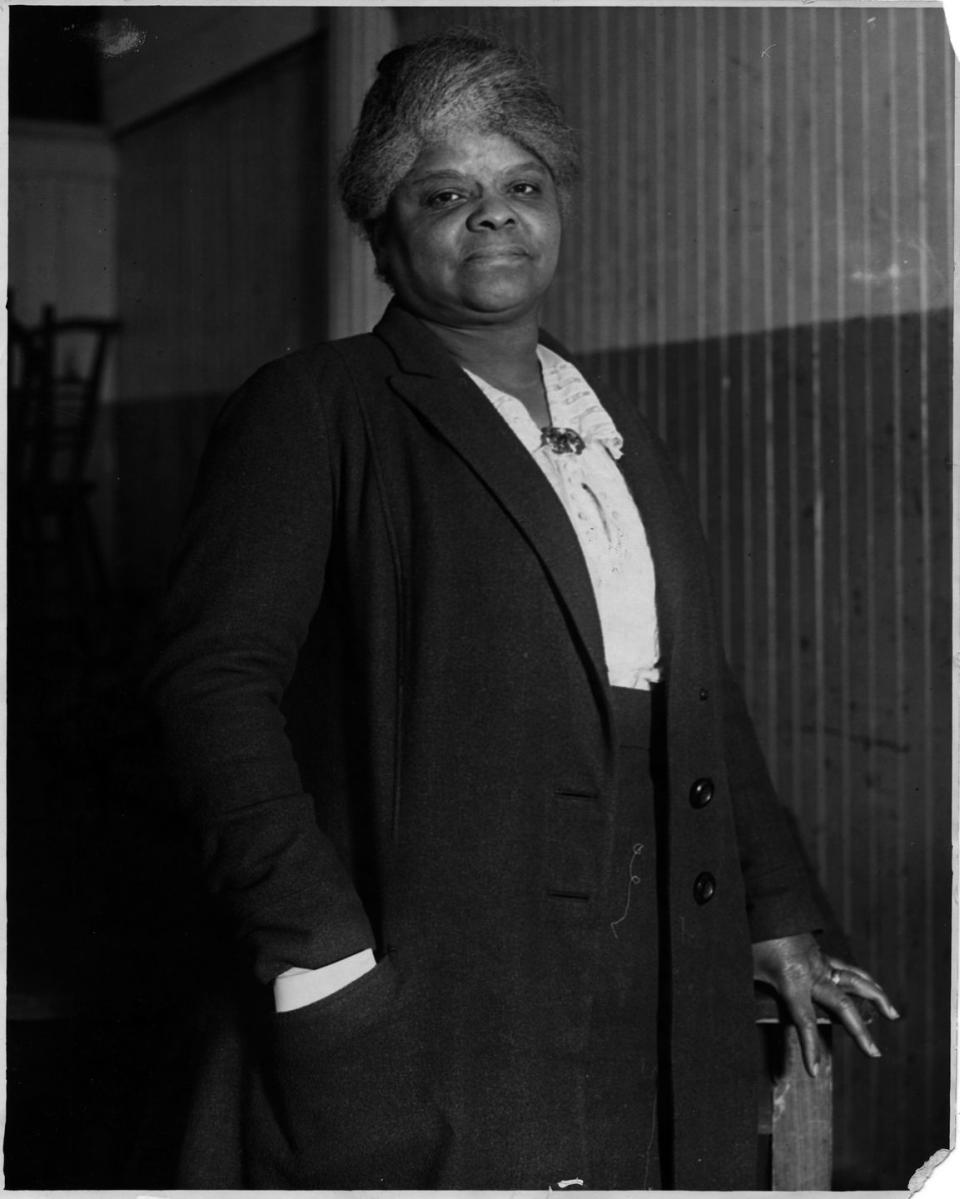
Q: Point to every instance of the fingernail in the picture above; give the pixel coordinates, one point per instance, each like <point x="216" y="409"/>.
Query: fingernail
<point x="814" y="1068"/>
<point x="875" y="1052"/>
<point x="894" y="1014"/>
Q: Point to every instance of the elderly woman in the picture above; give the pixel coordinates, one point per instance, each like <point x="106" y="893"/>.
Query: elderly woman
<point x="444" y="694"/>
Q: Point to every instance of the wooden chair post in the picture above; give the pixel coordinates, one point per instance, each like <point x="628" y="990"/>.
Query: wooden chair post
<point x="796" y="1111"/>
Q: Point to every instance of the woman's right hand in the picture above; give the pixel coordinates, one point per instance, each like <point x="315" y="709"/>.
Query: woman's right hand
<point x="346" y="1077"/>
<point x="296" y="988"/>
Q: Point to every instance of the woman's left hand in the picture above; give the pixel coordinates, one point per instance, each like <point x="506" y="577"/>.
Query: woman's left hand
<point x="802" y="974"/>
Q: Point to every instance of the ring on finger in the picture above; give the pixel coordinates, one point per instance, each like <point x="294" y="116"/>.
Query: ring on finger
<point x="835" y="977"/>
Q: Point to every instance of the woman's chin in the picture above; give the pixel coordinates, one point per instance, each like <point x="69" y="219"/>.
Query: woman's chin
<point x="502" y="302"/>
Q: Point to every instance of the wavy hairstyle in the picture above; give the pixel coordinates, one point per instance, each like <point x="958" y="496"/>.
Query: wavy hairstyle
<point x="431" y="88"/>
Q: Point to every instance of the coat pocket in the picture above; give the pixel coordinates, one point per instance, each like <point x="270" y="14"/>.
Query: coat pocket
<point x="576" y="834"/>
<point x="338" y="1018"/>
<point x="347" y="1083"/>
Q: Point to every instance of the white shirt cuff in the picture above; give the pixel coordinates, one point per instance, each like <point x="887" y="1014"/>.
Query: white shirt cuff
<point x="299" y="986"/>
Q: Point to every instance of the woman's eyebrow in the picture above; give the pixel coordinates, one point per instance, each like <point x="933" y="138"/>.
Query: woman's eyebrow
<point x="441" y="173"/>
<point x="532" y="164"/>
<point x="451" y="173"/>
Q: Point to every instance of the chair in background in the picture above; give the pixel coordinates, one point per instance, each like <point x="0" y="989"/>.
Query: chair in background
<point x="55" y="373"/>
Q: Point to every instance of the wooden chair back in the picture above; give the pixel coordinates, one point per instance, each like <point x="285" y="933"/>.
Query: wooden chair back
<point x="55" y="381"/>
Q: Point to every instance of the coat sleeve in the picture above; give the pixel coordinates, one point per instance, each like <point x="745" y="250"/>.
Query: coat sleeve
<point x="245" y="584"/>
<point x="783" y="897"/>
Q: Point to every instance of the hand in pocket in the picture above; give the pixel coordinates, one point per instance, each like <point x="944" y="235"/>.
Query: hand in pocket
<point x="349" y="1079"/>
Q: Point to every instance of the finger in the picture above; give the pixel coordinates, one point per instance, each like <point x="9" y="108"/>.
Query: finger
<point x="845" y="1011"/>
<point x="868" y="989"/>
<point x="850" y="971"/>
<point x="858" y="982"/>
<point x="805" y="1022"/>
<point x="839" y="964"/>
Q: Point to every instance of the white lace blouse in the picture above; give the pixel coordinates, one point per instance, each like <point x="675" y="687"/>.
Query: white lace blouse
<point x="601" y="509"/>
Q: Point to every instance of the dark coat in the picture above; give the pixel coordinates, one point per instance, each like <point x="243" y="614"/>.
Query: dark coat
<point x="372" y="556"/>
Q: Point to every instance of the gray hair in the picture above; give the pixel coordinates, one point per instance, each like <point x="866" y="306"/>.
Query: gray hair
<point x="428" y="89"/>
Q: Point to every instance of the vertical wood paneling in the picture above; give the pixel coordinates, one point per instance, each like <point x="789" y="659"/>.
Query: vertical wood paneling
<point x="763" y="253"/>
<point x="922" y="961"/>
<point x="893" y="840"/>
<point x="740" y="303"/>
<point x="771" y="444"/>
<point x="222" y="235"/>
<point x="700" y="279"/>
<point x="660" y="233"/>
<point x="831" y="400"/>
<point x="806" y="379"/>
<point x="866" y="463"/>
<point x="223" y="218"/>
<point x="718" y="235"/>
<point x="793" y="669"/>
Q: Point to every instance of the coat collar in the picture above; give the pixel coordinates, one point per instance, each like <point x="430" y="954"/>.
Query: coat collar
<point x="431" y="382"/>
<point x="416" y="349"/>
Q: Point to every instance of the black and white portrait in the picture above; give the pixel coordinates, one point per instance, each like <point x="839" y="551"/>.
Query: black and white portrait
<point x="479" y="591"/>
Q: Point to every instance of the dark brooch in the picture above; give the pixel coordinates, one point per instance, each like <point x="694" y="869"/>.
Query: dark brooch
<point x="562" y="441"/>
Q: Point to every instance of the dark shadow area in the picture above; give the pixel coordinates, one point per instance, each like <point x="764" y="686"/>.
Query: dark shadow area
<point x="106" y="930"/>
<point x="53" y="64"/>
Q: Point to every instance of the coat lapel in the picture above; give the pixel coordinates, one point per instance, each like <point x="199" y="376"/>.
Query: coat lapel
<point x="430" y="381"/>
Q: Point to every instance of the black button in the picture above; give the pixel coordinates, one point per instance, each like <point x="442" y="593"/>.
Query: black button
<point x="704" y="693"/>
<point x="704" y="888"/>
<point x="701" y="793"/>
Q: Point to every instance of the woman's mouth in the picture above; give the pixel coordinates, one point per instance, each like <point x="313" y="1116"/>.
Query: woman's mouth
<point x="497" y="254"/>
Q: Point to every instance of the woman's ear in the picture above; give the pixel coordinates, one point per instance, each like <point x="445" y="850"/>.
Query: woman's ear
<point x="376" y="232"/>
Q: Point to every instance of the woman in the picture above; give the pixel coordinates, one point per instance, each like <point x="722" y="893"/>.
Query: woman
<point x="444" y="694"/>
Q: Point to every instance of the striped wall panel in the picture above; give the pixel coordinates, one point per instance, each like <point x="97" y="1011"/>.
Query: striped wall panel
<point x="223" y="221"/>
<point x="727" y="152"/>
<point x="223" y="211"/>
<point x="762" y="255"/>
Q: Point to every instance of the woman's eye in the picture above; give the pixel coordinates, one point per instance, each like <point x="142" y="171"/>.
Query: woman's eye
<point x="442" y="198"/>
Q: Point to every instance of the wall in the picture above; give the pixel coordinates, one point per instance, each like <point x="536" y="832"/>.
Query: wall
<point x="222" y="240"/>
<point x="744" y="168"/>
<point x="229" y="124"/>
<point x="763" y="257"/>
<point x="62" y="206"/>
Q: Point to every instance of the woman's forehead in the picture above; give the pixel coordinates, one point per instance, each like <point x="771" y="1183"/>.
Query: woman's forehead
<point x="468" y="151"/>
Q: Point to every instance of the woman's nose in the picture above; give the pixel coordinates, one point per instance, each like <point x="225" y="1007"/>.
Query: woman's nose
<point x="491" y="212"/>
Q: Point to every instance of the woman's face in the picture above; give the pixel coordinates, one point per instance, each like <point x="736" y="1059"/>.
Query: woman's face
<point x="472" y="232"/>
